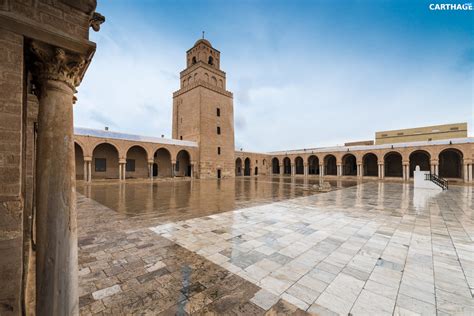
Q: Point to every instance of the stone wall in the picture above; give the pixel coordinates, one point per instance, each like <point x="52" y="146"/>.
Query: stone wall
<point x="11" y="180"/>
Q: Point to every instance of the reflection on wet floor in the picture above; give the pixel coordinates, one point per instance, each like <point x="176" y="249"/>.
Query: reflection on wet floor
<point x="200" y="197"/>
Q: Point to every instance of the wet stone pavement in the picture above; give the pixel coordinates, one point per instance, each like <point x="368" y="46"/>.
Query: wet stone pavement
<point x="274" y="246"/>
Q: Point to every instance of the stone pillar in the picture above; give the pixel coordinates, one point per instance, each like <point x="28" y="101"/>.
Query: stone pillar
<point x="150" y="169"/>
<point x="173" y="168"/>
<point x="469" y="179"/>
<point x="56" y="73"/>
<point x="321" y="170"/>
<point x="466" y="172"/>
<point x="305" y="170"/>
<point x="89" y="173"/>
<point x="84" y="166"/>
<point x="339" y="170"/>
<point x="87" y="169"/>
<point x="360" y="171"/>
<point x="381" y="171"/>
<point x="192" y="170"/>
<point x="293" y="169"/>
<point x="282" y="169"/>
<point x="406" y="174"/>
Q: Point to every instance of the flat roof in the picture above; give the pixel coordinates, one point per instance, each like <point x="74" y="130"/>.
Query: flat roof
<point x="465" y="140"/>
<point x="82" y="131"/>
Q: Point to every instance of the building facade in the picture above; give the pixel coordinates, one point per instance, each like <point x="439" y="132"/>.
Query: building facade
<point x="203" y="128"/>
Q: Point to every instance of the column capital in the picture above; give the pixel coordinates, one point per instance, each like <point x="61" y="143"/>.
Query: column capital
<point x="57" y="64"/>
<point x="87" y="158"/>
<point x="122" y="160"/>
<point x="151" y="161"/>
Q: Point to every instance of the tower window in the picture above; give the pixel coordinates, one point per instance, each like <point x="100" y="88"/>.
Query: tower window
<point x="210" y="61"/>
<point x="181" y="137"/>
<point x="218" y="150"/>
<point x="218" y="130"/>
<point x="218" y="112"/>
<point x="194" y="60"/>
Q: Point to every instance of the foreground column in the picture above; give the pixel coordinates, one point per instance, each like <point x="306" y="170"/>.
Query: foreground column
<point x="282" y="169"/>
<point x="57" y="73"/>
<point x="150" y="169"/>
<point x="87" y="169"/>
<point x="321" y="171"/>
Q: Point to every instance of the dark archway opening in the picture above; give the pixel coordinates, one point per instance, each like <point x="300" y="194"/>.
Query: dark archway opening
<point x="299" y="165"/>
<point x="247" y="167"/>
<point x="450" y="163"/>
<point x="313" y="165"/>
<point x="393" y="165"/>
<point x="330" y="165"/>
<point x="349" y="165"/>
<point x="419" y="158"/>
<point x="238" y="167"/>
<point x="275" y="166"/>
<point x="183" y="164"/>
<point x="287" y="165"/>
<point x="155" y="170"/>
<point x="370" y="165"/>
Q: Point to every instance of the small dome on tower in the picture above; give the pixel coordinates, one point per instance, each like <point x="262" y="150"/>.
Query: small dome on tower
<point x="204" y="41"/>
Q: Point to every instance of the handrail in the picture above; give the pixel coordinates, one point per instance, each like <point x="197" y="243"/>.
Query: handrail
<point x="443" y="183"/>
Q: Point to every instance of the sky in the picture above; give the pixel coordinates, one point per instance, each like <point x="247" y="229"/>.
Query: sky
<point x="304" y="73"/>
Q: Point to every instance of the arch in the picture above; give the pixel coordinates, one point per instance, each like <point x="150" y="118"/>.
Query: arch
<point x="184" y="82"/>
<point x="190" y="79"/>
<point x="275" y="166"/>
<point x="330" y="165"/>
<point x="194" y="60"/>
<point x="183" y="164"/>
<point x="450" y="163"/>
<point x="238" y="167"/>
<point x="299" y="165"/>
<point x="105" y="161"/>
<point x="349" y="165"/>
<point x="162" y="158"/>
<point x="313" y="165"/>
<point x="210" y="60"/>
<point x="370" y="165"/>
<point x="256" y="171"/>
<point x="137" y="162"/>
<point x="79" y="158"/>
<point x="419" y="158"/>
<point x="247" y="167"/>
<point x="287" y="166"/>
<point x="214" y="81"/>
<point x="393" y="164"/>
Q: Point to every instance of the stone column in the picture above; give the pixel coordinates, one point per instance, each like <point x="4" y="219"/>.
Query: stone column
<point x="89" y="173"/>
<point x="406" y="174"/>
<point x="293" y="169"/>
<point x="84" y="166"/>
<point x="282" y="169"/>
<point x="150" y="169"/>
<point x="173" y="168"/>
<point x="339" y="170"/>
<point x="192" y="170"/>
<point x="305" y="170"/>
<point x="56" y="73"/>
<point x="466" y="172"/>
<point x="120" y="171"/>
<point x="87" y="169"/>
<point x="360" y="171"/>
<point x="321" y="171"/>
<point x="470" y="173"/>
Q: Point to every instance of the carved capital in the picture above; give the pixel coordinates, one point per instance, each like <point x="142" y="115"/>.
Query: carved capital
<point x="53" y="63"/>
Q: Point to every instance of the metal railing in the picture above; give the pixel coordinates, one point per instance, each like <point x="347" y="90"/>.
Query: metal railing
<point x="443" y="183"/>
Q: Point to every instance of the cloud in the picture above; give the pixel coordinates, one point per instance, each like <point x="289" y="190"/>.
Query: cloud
<point x="301" y="77"/>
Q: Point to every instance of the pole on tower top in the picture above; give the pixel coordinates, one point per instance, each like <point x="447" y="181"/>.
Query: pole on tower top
<point x="203" y="34"/>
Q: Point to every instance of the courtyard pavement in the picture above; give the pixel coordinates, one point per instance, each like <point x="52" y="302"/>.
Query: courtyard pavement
<point x="372" y="249"/>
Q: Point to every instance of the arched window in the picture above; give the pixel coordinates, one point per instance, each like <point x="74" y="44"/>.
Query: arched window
<point x="210" y="61"/>
<point x="194" y="60"/>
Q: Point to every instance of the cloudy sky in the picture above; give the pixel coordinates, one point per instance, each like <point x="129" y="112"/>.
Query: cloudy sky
<point x="303" y="73"/>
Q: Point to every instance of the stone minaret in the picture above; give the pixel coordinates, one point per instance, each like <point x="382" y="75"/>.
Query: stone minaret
<point x="203" y="112"/>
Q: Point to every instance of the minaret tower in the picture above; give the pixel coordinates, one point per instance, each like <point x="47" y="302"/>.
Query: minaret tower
<point x="203" y="111"/>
